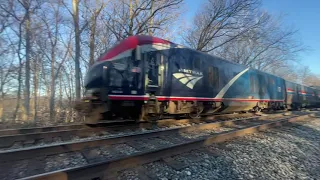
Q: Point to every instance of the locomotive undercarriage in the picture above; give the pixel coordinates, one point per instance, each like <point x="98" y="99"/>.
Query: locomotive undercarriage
<point x="267" y="106"/>
<point x="153" y="109"/>
<point x="194" y="109"/>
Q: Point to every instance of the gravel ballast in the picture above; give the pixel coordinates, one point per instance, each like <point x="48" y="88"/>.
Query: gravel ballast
<point x="274" y="153"/>
<point x="289" y="152"/>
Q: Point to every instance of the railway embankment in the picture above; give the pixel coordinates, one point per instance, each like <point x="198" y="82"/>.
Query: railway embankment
<point x="289" y="152"/>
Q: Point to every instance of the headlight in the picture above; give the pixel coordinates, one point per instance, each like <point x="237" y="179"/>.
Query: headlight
<point x="89" y="92"/>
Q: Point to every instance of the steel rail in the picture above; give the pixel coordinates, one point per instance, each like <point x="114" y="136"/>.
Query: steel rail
<point x="32" y="130"/>
<point x="64" y="134"/>
<point x="27" y="153"/>
<point x="8" y="141"/>
<point x="6" y="132"/>
<point x="68" y="131"/>
<point x="108" y="169"/>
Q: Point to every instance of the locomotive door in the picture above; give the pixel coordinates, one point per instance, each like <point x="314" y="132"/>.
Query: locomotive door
<point x="154" y="73"/>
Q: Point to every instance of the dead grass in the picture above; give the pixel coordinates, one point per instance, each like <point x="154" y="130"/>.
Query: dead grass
<point x="64" y="114"/>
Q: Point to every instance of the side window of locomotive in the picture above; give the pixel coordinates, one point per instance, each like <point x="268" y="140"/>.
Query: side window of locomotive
<point x="196" y="62"/>
<point x="213" y="76"/>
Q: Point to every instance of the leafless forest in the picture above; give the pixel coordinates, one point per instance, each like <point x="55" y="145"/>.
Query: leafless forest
<point x="46" y="46"/>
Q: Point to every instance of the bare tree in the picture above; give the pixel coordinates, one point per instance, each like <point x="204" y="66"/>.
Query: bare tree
<point x="304" y="74"/>
<point x="78" y="29"/>
<point x="36" y="71"/>
<point x="51" y="18"/>
<point x="51" y="24"/>
<point x="19" y="73"/>
<point x="4" y="17"/>
<point x="21" y="12"/>
<point x="140" y="17"/>
<point x="288" y="72"/>
<point x="268" y="46"/>
<point x="94" y="14"/>
<point x="7" y="70"/>
<point x="313" y="80"/>
<point x="26" y="5"/>
<point x="222" y="21"/>
<point x="238" y="30"/>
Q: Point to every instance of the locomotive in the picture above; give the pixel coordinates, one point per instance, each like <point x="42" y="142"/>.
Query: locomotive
<point x="145" y="77"/>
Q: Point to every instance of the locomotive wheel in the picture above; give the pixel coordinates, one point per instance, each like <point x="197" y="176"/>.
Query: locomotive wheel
<point x="257" y="109"/>
<point x="154" y="117"/>
<point x="94" y="116"/>
<point x="196" y="114"/>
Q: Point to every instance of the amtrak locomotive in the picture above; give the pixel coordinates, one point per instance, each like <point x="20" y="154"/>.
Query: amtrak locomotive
<point x="145" y="77"/>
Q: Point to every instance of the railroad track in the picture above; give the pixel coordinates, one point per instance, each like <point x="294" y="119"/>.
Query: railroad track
<point x="31" y="130"/>
<point x="103" y="160"/>
<point x="19" y="138"/>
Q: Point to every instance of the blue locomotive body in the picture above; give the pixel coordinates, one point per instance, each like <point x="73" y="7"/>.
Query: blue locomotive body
<point x="148" y="76"/>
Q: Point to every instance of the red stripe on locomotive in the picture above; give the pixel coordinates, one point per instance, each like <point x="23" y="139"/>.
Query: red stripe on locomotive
<point x="166" y="98"/>
<point x="131" y="43"/>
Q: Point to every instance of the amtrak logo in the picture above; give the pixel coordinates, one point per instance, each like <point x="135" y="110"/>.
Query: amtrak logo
<point x="188" y="77"/>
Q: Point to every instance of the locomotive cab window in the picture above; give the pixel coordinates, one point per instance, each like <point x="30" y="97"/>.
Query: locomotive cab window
<point x="125" y="73"/>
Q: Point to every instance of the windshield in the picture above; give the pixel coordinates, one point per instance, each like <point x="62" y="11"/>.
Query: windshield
<point x="125" y="73"/>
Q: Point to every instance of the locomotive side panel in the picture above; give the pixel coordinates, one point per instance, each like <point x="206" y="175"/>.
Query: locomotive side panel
<point x="199" y="75"/>
<point x="187" y="75"/>
<point x="258" y="90"/>
<point x="311" y="97"/>
<point x="144" y="75"/>
<point x="302" y="96"/>
<point x="292" y="100"/>
<point x="317" y="92"/>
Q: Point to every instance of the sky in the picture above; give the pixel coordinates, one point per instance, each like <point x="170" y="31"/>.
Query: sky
<point x="303" y="15"/>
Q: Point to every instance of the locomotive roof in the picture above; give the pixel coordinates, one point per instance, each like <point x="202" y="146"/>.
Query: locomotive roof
<point x="131" y="43"/>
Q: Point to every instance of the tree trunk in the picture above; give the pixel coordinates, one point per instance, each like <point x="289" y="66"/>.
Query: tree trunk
<point x="1" y="105"/>
<point x="19" y="91"/>
<point x="60" y="90"/>
<point x="92" y="38"/>
<point x="75" y="7"/>
<point x="62" y="114"/>
<point x="35" y="92"/>
<point x="27" y="70"/>
<point x="52" y="88"/>
<point x="151" y="20"/>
